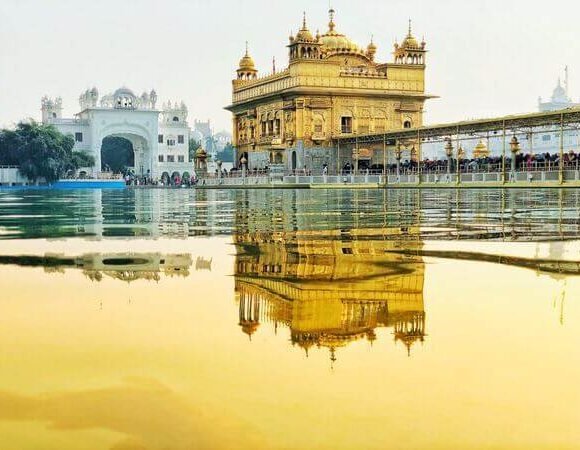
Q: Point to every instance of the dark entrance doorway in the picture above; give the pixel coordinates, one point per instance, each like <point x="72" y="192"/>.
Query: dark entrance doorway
<point x="117" y="155"/>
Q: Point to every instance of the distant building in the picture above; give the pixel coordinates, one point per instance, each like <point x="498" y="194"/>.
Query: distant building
<point x="202" y="127"/>
<point x="560" y="98"/>
<point x="221" y="139"/>
<point x="159" y="136"/>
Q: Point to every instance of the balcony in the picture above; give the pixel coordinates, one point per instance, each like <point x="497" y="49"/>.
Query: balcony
<point x="274" y="140"/>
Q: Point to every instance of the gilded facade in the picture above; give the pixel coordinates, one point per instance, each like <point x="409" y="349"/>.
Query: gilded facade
<point x="332" y="87"/>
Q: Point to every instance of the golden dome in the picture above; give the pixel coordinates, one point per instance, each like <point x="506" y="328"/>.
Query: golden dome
<point x="247" y="63"/>
<point x="200" y="152"/>
<point x="334" y="42"/>
<point x="410" y="41"/>
<point x="304" y="34"/>
<point x="481" y="150"/>
<point x="371" y="49"/>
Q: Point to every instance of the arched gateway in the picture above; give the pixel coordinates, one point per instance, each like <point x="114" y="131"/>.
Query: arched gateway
<point x="159" y="137"/>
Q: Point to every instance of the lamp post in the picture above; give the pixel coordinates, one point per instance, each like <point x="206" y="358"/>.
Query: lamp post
<point x="356" y="155"/>
<point x="449" y="154"/>
<point x="243" y="162"/>
<point x="514" y="148"/>
<point x="398" y="152"/>
<point x="561" y="157"/>
<point x="460" y="156"/>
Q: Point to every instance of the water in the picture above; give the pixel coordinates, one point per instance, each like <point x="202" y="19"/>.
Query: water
<point x="339" y="319"/>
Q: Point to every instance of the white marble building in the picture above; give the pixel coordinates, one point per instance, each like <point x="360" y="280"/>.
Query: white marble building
<point x="159" y="137"/>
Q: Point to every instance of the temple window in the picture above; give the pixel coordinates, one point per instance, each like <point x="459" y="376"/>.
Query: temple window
<point x="160" y="138"/>
<point x="170" y="158"/>
<point x="170" y="142"/>
<point x="180" y="158"/>
<point x="180" y="139"/>
<point x="78" y="137"/>
<point x="175" y="119"/>
<point x="407" y="124"/>
<point x="346" y="125"/>
<point x="160" y="158"/>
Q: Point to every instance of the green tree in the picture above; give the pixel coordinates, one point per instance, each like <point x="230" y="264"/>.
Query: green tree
<point x="193" y="146"/>
<point x="117" y="154"/>
<point x="40" y="151"/>
<point x="81" y="159"/>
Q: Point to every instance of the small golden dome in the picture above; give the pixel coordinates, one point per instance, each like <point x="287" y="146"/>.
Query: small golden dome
<point x="371" y="48"/>
<point x="304" y="34"/>
<point x="481" y="150"/>
<point x="200" y="152"/>
<point x="247" y="63"/>
<point x="410" y="41"/>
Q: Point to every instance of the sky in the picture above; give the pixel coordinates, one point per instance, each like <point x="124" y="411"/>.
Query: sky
<point x="485" y="58"/>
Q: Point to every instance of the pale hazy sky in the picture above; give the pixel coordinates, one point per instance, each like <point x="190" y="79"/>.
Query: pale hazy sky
<point x="486" y="58"/>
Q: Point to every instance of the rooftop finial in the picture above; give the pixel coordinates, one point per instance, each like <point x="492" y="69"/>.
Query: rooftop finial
<point x="304" y="20"/>
<point x="410" y="27"/>
<point x="247" y="53"/>
<point x="331" y="12"/>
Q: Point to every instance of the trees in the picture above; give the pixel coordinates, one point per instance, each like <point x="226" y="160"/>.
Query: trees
<point x="40" y="151"/>
<point x="117" y="154"/>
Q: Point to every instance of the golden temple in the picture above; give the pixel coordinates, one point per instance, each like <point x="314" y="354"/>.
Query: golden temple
<point x="332" y="87"/>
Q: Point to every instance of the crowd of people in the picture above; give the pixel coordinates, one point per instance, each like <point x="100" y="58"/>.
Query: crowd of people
<point x="523" y="162"/>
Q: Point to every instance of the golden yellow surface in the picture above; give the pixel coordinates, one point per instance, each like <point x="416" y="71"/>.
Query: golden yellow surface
<point x="164" y="364"/>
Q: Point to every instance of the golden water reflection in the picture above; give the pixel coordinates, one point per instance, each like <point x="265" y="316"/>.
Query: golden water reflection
<point x="154" y="353"/>
<point x="333" y="287"/>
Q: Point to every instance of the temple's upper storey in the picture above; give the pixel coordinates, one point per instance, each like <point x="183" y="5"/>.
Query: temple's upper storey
<point x="318" y="58"/>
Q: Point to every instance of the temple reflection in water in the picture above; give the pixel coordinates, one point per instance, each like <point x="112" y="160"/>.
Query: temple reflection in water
<point x="121" y="266"/>
<point x="331" y="288"/>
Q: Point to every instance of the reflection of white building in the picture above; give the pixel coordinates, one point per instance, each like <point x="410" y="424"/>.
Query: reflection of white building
<point x="159" y="137"/>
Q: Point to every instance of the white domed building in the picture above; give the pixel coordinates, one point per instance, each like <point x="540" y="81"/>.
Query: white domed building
<point x="159" y="137"/>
